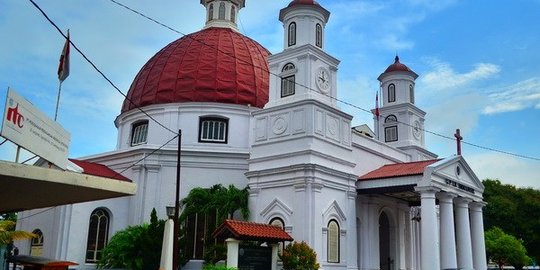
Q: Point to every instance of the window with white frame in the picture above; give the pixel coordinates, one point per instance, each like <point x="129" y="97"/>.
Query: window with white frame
<point x="292" y="34"/>
<point x="390" y="130"/>
<point x="36" y="244"/>
<point x="333" y="242"/>
<point x="139" y="132"/>
<point x="98" y="234"/>
<point x="391" y="93"/>
<point x="318" y="35"/>
<point x="288" y="80"/>
<point x="213" y="129"/>
<point x="233" y="14"/>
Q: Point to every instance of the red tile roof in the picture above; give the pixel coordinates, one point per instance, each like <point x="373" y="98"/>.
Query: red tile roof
<point x="399" y="169"/>
<point x="243" y="230"/>
<point x="97" y="169"/>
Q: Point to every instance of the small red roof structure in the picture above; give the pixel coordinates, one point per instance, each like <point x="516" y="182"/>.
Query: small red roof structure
<point x="397" y="170"/>
<point x="244" y="230"/>
<point x="97" y="169"/>
<point x="397" y="67"/>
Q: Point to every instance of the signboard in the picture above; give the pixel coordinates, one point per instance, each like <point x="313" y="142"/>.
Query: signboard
<point x="26" y="126"/>
<point x="254" y="258"/>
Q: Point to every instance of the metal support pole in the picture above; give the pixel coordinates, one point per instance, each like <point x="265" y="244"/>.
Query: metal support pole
<point x="177" y="204"/>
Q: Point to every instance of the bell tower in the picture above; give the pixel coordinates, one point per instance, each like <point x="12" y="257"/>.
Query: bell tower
<point x="301" y="162"/>
<point x="305" y="70"/>
<point x="400" y="122"/>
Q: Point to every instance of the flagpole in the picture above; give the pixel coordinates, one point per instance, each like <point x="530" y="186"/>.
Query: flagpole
<point x="58" y="100"/>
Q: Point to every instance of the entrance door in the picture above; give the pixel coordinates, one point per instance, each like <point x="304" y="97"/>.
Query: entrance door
<point x="386" y="262"/>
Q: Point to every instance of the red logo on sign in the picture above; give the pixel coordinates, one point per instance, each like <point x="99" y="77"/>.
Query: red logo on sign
<point x="14" y="116"/>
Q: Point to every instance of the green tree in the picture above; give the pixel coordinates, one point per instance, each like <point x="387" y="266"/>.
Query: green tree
<point x="8" y="233"/>
<point x="505" y="249"/>
<point x="136" y="247"/>
<point x="299" y="256"/>
<point x="516" y="211"/>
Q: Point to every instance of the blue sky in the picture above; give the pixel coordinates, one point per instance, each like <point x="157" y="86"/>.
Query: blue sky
<point x="478" y="63"/>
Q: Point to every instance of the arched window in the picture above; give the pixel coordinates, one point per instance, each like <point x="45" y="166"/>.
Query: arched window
<point x="213" y="129"/>
<point x="98" y="234"/>
<point x="221" y="11"/>
<point x="211" y="12"/>
<point x="390" y="130"/>
<point x="333" y="242"/>
<point x="233" y="14"/>
<point x="292" y="34"/>
<point x="139" y="132"/>
<point x="318" y="35"/>
<point x="288" y="80"/>
<point x="36" y="244"/>
<point x="391" y="93"/>
<point x="411" y="93"/>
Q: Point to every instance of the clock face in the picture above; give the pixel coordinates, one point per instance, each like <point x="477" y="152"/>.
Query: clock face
<point x="323" y="80"/>
<point x="417" y="130"/>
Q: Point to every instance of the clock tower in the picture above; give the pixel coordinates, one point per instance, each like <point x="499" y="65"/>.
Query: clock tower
<point x="304" y="70"/>
<point x="292" y="177"/>
<point x="400" y="122"/>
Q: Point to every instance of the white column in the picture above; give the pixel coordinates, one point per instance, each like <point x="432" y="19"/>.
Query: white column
<point x="167" y="246"/>
<point x="351" y="239"/>
<point x="275" y="249"/>
<point x="477" y="234"/>
<point x="428" y="229"/>
<point x="448" y="236"/>
<point x="232" y="252"/>
<point x="463" y="234"/>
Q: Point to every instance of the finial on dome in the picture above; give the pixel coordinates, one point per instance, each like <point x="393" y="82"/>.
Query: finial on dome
<point x="397" y="59"/>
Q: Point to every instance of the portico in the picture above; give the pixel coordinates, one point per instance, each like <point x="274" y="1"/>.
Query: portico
<point x="449" y="197"/>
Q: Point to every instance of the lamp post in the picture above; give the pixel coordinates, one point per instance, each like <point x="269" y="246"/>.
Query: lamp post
<point x="177" y="204"/>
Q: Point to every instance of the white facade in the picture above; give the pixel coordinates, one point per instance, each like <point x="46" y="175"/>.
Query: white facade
<point x="302" y="161"/>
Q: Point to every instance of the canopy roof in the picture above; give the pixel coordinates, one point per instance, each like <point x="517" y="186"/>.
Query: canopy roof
<point x="25" y="187"/>
<point x="243" y="230"/>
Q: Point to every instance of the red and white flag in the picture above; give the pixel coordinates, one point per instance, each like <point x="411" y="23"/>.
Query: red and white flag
<point x="377" y="105"/>
<point x="63" y="67"/>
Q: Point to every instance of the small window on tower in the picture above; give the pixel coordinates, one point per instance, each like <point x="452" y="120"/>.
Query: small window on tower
<point x="333" y="242"/>
<point x="139" y="132"/>
<point x="411" y="93"/>
<point x="391" y="93"/>
<point x="288" y="80"/>
<point x="292" y="34"/>
<point x="211" y="12"/>
<point x="390" y="130"/>
<point x="221" y="11"/>
<point x="233" y="14"/>
<point x="213" y="129"/>
<point x="318" y="35"/>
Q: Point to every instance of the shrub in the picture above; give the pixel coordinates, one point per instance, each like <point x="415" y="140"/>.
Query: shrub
<point x="299" y="256"/>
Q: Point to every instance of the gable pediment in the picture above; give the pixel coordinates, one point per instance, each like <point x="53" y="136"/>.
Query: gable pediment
<point x="453" y="174"/>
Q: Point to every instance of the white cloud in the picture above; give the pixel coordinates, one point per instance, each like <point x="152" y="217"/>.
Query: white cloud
<point x="519" y="96"/>
<point x="508" y="169"/>
<point x="443" y="76"/>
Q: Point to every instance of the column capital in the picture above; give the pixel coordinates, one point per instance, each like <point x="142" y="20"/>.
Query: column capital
<point x="446" y="197"/>
<point x="477" y="206"/>
<point x="427" y="190"/>
<point x="462" y="202"/>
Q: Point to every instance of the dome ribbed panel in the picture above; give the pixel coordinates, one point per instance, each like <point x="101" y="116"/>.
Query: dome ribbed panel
<point x="193" y="69"/>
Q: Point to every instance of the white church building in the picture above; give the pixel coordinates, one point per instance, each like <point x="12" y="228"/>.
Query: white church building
<point x="361" y="199"/>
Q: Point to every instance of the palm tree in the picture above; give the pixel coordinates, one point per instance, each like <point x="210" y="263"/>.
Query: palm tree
<point x="8" y="233"/>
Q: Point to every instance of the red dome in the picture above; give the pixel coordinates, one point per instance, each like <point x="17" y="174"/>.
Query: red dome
<point x="397" y="66"/>
<point x="212" y="65"/>
<point x="303" y="2"/>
